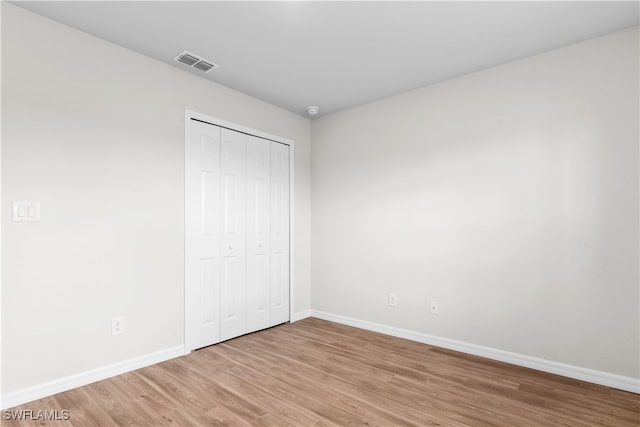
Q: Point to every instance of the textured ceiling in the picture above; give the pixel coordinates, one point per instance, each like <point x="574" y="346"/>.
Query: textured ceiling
<point x="340" y="54"/>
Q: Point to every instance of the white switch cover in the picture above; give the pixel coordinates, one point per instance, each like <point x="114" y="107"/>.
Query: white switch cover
<point x="26" y="211"/>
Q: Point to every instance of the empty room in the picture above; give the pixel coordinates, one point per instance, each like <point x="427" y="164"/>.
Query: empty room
<point x="317" y="213"/>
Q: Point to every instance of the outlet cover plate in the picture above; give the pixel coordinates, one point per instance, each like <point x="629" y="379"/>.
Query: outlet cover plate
<point x="117" y="325"/>
<point x="393" y="300"/>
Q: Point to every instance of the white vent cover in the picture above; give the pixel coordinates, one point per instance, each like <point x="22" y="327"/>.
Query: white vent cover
<point x="194" y="61"/>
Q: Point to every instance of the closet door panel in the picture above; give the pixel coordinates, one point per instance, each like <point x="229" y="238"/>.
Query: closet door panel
<point x="232" y="287"/>
<point x="279" y="274"/>
<point x="202" y="251"/>
<point x="258" y="235"/>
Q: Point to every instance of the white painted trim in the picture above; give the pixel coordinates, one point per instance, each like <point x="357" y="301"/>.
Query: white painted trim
<point x="292" y="234"/>
<point x="597" y="377"/>
<point x="30" y="394"/>
<point x="300" y="315"/>
<point x="188" y="115"/>
<point x="186" y="296"/>
<point x="234" y="126"/>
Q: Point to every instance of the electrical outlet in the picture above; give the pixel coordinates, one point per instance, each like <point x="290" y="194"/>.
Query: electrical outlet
<point x="117" y="326"/>
<point x="435" y="307"/>
<point x="393" y="300"/>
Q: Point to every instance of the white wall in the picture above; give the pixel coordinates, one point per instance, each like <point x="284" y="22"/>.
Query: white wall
<point x="509" y="195"/>
<point x="96" y="134"/>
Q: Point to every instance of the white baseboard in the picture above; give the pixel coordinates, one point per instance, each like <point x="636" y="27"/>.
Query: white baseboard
<point x="300" y="315"/>
<point x="30" y="394"/>
<point x="597" y="377"/>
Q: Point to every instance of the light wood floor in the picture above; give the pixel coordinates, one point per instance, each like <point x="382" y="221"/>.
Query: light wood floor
<point x="317" y="373"/>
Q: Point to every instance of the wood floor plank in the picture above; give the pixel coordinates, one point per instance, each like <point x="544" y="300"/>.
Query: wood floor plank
<point x="317" y="373"/>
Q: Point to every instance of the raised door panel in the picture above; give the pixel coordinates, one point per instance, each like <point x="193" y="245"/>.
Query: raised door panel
<point x="202" y="249"/>
<point x="233" y="265"/>
<point x="279" y="207"/>
<point x="258" y="234"/>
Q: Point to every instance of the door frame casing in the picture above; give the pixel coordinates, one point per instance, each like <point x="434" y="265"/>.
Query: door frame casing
<point x="188" y="115"/>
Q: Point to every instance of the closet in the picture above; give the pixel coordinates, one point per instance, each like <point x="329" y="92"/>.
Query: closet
<point x="237" y="266"/>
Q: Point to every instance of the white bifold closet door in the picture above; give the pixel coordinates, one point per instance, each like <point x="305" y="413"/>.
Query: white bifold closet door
<point x="203" y="235"/>
<point x="258" y="233"/>
<point x="233" y="205"/>
<point x="237" y="234"/>
<point x="279" y="233"/>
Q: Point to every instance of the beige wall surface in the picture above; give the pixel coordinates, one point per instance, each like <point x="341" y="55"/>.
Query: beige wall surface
<point x="95" y="133"/>
<point x="510" y="196"/>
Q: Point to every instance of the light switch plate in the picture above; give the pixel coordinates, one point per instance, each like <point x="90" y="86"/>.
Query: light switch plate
<point x="25" y="211"/>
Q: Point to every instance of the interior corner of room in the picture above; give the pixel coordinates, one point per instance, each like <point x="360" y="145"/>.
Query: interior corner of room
<point x="495" y="213"/>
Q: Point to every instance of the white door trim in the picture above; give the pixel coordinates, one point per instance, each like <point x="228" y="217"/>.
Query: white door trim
<point x="188" y="116"/>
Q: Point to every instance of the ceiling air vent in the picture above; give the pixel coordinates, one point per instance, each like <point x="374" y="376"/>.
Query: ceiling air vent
<point x="204" y="66"/>
<point x="194" y="61"/>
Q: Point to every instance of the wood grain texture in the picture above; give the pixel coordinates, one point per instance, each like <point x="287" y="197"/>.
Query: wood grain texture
<point x="318" y="373"/>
